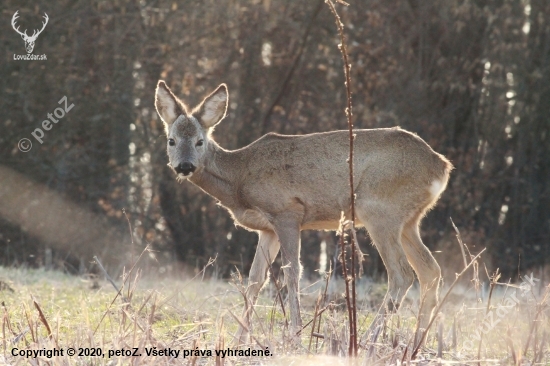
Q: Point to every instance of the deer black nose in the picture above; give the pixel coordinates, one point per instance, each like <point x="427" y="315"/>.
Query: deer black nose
<point x="185" y="168"/>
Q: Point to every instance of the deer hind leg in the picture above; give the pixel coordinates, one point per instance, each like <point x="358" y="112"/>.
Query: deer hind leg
<point x="426" y="269"/>
<point x="385" y="232"/>
<point x="266" y="252"/>
<point x="288" y="231"/>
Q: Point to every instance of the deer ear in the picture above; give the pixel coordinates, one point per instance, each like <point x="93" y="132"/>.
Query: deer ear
<point x="167" y="104"/>
<point x="213" y="108"/>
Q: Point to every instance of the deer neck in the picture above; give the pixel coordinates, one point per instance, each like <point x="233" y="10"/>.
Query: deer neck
<point x="217" y="178"/>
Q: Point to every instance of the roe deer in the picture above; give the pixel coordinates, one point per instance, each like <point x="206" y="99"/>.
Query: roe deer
<point x="279" y="185"/>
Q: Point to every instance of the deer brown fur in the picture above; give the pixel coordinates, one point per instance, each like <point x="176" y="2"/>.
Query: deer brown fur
<point x="279" y="185"/>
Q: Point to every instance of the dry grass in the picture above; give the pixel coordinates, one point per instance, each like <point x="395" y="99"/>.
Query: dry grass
<point x="172" y="313"/>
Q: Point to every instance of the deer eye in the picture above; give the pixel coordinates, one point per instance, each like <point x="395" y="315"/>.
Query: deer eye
<point x="171" y="142"/>
<point x="200" y="142"/>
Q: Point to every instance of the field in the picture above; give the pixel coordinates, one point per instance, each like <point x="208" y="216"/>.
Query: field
<point x="197" y="317"/>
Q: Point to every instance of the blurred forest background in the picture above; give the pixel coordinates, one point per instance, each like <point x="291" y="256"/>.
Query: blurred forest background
<point x="471" y="77"/>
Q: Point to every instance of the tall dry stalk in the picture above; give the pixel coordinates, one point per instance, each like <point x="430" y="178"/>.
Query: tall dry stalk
<point x="350" y="281"/>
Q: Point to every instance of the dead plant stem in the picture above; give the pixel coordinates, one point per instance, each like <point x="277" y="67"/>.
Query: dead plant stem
<point x="438" y="307"/>
<point x="351" y="301"/>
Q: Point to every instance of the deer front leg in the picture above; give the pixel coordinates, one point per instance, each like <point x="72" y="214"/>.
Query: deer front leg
<point x="288" y="230"/>
<point x="266" y="251"/>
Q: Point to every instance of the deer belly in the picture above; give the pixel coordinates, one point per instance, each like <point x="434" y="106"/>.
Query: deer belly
<point x="321" y="225"/>
<point x="321" y="218"/>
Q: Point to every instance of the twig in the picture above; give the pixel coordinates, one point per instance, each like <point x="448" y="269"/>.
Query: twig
<point x="146" y="249"/>
<point x="43" y="319"/>
<point x="328" y="275"/>
<point x="494" y="278"/>
<point x="279" y="296"/>
<point x="540" y="307"/>
<point x="349" y="113"/>
<point x="4" y="321"/>
<point x="105" y="273"/>
<point x="541" y="348"/>
<point x="29" y="322"/>
<point x="438" y="307"/>
<point x="440" y="337"/>
<point x="356" y="250"/>
<point x="210" y="262"/>
<point x="241" y="323"/>
<point x="247" y="330"/>
<point x="119" y="291"/>
<point x="511" y="345"/>
<point x="475" y="277"/>
<point x="314" y="321"/>
<point x="220" y="344"/>
<point x="311" y="321"/>
<point x="169" y="298"/>
<point x="460" y="244"/>
<point x="346" y="281"/>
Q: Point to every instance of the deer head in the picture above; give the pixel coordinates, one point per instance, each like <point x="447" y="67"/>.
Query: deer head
<point x="189" y="132"/>
<point x="29" y="40"/>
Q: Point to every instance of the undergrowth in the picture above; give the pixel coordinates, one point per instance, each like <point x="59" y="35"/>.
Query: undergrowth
<point x="43" y="310"/>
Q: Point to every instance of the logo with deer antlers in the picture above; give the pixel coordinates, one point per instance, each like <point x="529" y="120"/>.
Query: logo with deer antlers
<point x="29" y="40"/>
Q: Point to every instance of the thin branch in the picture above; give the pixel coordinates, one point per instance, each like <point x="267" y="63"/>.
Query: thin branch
<point x="351" y="302"/>
<point x="494" y="278"/>
<point x="346" y="281"/>
<point x="440" y="305"/>
<point x="460" y="244"/>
